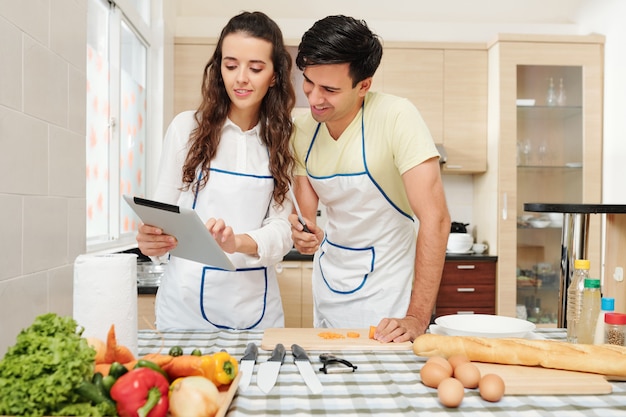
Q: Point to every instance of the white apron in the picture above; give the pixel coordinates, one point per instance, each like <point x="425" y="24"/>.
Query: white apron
<point x="363" y="270"/>
<point x="199" y="297"/>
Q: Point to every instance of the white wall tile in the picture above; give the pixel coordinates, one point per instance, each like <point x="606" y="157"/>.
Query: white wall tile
<point x="31" y="17"/>
<point x="61" y="290"/>
<point x="68" y="26"/>
<point x="11" y="68"/>
<point x="11" y="242"/>
<point x="45" y="83"/>
<point x="21" y="300"/>
<point x="77" y="229"/>
<point x="24" y="156"/>
<point x="66" y="176"/>
<point x="45" y="233"/>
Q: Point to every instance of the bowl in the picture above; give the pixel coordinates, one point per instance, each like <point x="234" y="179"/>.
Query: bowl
<point x="484" y="325"/>
<point x="556" y="219"/>
<point x="149" y="274"/>
<point x="459" y="243"/>
<point x="539" y="223"/>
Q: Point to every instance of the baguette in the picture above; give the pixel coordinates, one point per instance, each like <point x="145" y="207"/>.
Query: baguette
<point x="599" y="359"/>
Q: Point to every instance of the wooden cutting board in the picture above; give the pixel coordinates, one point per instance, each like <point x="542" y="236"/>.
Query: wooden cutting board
<point x="531" y="380"/>
<point x="309" y="339"/>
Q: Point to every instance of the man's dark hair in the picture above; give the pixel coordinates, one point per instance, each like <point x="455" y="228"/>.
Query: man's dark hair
<point x="339" y="40"/>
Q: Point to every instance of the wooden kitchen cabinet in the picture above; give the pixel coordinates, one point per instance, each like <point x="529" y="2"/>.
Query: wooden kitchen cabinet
<point x="540" y="151"/>
<point x="190" y="57"/>
<point x="145" y="311"/>
<point x="294" y="281"/>
<point x="465" y="111"/>
<point x="448" y="85"/>
<point x="467" y="287"/>
<point x="447" y="82"/>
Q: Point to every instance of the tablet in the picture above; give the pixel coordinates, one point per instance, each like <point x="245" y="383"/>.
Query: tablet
<point x="195" y="242"/>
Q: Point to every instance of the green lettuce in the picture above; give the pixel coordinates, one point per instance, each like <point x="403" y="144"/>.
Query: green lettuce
<point x="39" y="375"/>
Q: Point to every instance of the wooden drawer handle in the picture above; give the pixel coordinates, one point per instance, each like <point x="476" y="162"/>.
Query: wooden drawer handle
<point x="465" y="289"/>
<point x="466" y="267"/>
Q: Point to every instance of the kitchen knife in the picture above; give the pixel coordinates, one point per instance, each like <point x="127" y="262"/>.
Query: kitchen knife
<point x="247" y="365"/>
<point x="268" y="371"/>
<point x="295" y="204"/>
<point x="303" y="363"/>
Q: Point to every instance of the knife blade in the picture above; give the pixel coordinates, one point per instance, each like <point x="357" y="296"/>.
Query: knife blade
<point x="297" y="207"/>
<point x="301" y="359"/>
<point x="268" y="370"/>
<point x="247" y="365"/>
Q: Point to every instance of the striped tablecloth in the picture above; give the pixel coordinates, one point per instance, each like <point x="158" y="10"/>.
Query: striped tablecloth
<point x="386" y="383"/>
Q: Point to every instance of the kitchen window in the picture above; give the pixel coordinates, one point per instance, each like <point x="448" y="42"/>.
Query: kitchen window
<point x="118" y="47"/>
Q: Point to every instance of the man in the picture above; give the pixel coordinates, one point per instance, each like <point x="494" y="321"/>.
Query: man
<point x="371" y="161"/>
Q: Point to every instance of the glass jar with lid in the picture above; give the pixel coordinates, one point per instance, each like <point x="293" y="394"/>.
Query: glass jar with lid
<point x="615" y="329"/>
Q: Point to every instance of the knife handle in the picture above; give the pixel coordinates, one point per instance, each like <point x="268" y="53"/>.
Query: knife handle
<point x="251" y="352"/>
<point x="299" y="354"/>
<point x="278" y="354"/>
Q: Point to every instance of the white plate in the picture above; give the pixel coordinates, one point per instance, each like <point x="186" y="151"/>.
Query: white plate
<point x="436" y="329"/>
<point x="484" y="325"/>
<point x="467" y="252"/>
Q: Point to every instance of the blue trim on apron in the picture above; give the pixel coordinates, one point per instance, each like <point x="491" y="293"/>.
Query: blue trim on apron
<point x="371" y="249"/>
<point x="206" y="267"/>
<point x="219" y="326"/>
<point x="366" y="170"/>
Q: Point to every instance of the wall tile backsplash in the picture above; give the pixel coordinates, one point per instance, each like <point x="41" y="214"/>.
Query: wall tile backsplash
<point x="42" y="163"/>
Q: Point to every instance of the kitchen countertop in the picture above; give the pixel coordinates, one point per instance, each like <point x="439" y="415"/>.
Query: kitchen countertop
<point x="385" y="383"/>
<point x="294" y="255"/>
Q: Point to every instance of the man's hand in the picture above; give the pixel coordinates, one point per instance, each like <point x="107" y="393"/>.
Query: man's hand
<point x="306" y="243"/>
<point x="399" y="330"/>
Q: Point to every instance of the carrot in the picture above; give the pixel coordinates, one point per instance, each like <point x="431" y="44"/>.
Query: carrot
<point x="103" y="368"/>
<point x="183" y="365"/>
<point x="353" y="335"/>
<point x="109" y="355"/>
<point x="372" y="331"/>
<point x="330" y="335"/>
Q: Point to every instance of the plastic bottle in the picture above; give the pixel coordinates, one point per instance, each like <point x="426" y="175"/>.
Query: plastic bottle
<point x="607" y="305"/>
<point x="575" y="298"/>
<point x="589" y="312"/>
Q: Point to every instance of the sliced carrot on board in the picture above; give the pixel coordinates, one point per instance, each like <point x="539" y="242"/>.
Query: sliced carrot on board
<point x="331" y="335"/>
<point x="372" y="331"/>
<point x="353" y="335"/>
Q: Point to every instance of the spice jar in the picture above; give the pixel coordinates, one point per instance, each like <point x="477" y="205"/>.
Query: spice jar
<point x="615" y="329"/>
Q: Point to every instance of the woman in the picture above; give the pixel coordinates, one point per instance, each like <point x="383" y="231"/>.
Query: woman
<point x="230" y="161"/>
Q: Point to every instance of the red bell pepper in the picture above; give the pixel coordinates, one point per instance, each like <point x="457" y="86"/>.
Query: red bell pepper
<point x="142" y="392"/>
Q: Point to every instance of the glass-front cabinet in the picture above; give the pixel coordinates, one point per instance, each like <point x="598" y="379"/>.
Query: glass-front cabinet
<point x="545" y="146"/>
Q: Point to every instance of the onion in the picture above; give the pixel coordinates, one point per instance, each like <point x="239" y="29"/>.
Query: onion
<point x="194" y="396"/>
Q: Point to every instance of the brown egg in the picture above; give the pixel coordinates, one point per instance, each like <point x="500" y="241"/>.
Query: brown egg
<point x="468" y="374"/>
<point x="441" y="361"/>
<point x="432" y="374"/>
<point x="450" y="392"/>
<point x="456" y="360"/>
<point x="491" y="387"/>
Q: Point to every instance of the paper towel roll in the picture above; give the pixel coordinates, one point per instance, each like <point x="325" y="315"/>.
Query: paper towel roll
<point x="105" y="293"/>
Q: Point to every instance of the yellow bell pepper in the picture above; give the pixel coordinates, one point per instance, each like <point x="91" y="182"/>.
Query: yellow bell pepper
<point x="220" y="368"/>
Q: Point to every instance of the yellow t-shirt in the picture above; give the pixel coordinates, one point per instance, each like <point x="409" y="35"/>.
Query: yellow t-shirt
<point x="396" y="140"/>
